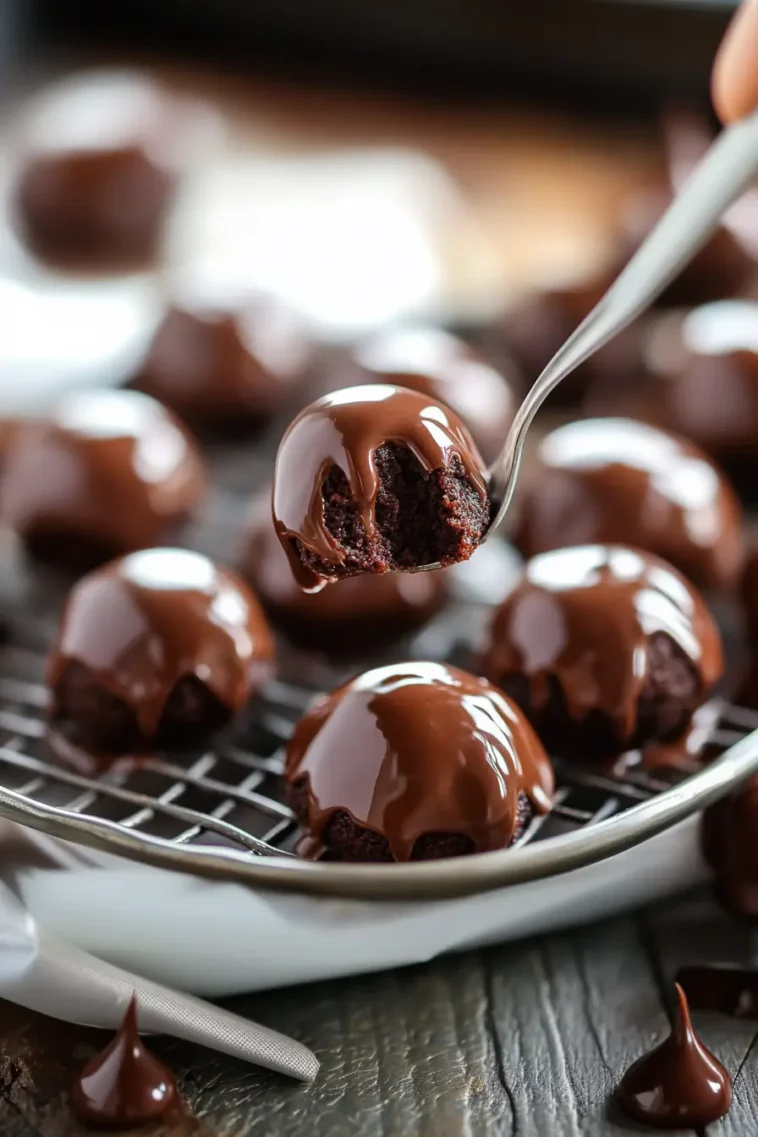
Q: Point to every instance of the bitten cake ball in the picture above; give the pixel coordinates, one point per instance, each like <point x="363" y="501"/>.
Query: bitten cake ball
<point x="443" y="367"/>
<point x="155" y="649"/>
<point x="603" y="481"/>
<point x="110" y="472"/>
<point x="376" y="478"/>
<point x="225" y="365"/>
<point x="99" y="159"/>
<point x="412" y="762"/>
<point x="357" y="615"/>
<point x="605" y="648"/>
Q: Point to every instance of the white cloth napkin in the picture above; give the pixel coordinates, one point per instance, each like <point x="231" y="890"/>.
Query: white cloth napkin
<point x="46" y="974"/>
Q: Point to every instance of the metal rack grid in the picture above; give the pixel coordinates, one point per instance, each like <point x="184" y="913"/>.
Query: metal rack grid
<point x="229" y="801"/>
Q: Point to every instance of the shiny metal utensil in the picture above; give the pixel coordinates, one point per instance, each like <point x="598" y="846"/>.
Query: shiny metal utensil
<point x="725" y="172"/>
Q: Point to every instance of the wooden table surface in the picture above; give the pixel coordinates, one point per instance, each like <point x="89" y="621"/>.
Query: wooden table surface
<point x="526" y="1039"/>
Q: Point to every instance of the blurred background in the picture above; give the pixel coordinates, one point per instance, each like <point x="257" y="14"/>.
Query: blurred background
<point x="478" y="165"/>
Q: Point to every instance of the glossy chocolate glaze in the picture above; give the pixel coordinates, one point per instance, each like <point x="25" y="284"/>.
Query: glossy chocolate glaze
<point x="223" y="362"/>
<point x="730" y="847"/>
<point x="419" y="748"/>
<point x="443" y="367"/>
<point x="615" y="480"/>
<point x="345" y="429"/>
<point x="113" y="468"/>
<point x="142" y="623"/>
<point x="721" y="987"/>
<point x="125" y="1085"/>
<point x="679" y="1084"/>
<point x="99" y="158"/>
<point x="351" y="617"/>
<point x="705" y="365"/>
<point x="586" y="616"/>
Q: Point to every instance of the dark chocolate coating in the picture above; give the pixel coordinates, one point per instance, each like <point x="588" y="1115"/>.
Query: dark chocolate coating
<point x="749" y="592"/>
<point x="731" y="849"/>
<point x="224" y="366"/>
<point x="354" y="616"/>
<point x="607" y="481"/>
<point x="443" y="367"/>
<point x="605" y="648"/>
<point x="679" y="1084"/>
<point x="109" y="472"/>
<point x="98" y="171"/>
<point x="721" y="987"/>
<point x="124" y="1086"/>
<point x="375" y="478"/>
<point x="147" y="636"/>
<point x="705" y="364"/>
<point x="411" y="752"/>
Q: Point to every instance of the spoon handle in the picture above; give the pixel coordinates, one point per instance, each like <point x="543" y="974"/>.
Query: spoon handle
<point x="725" y="172"/>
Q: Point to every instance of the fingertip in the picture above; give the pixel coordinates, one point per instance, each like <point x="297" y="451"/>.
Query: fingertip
<point x="734" y="80"/>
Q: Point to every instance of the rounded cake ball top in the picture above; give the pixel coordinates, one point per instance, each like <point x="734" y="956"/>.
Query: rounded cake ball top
<point x="141" y="624"/>
<point x="111" y="467"/>
<point x="440" y="365"/>
<point x="110" y="110"/>
<point x="377" y="477"/>
<point x="605" y="630"/>
<point x="417" y="757"/>
<point x="602" y="481"/>
<point x="224" y="360"/>
<point x="707" y="364"/>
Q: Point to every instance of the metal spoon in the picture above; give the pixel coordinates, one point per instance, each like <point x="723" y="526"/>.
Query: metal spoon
<point x="725" y="172"/>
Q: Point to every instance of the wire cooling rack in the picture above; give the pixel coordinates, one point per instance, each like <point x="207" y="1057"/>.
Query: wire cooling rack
<point x="222" y="811"/>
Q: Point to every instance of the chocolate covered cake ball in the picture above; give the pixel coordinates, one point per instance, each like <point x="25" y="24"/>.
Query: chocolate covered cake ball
<point x="99" y="160"/>
<point x="602" y="481"/>
<point x="605" y="648"/>
<point x="731" y="849"/>
<point x="414" y="761"/>
<point x="443" y="367"/>
<point x="705" y="374"/>
<point x="377" y="478"/>
<point x="158" y="648"/>
<point x="225" y="365"/>
<point x="357" y="615"/>
<point x="109" y="472"/>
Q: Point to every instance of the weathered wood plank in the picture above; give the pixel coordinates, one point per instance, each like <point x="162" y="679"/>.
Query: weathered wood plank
<point x="695" y="930"/>
<point x="516" y="1041"/>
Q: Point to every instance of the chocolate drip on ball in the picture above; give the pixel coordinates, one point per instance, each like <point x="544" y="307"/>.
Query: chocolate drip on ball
<point x="443" y="367"/>
<point x="375" y="478"/>
<point x="605" y="648"/>
<point x="414" y="761"/>
<point x="356" y="616"/>
<point x="608" y="480"/>
<point x="156" y="648"/>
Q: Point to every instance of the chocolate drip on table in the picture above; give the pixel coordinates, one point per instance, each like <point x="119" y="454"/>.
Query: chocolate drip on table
<point x="419" y="748"/>
<point x="577" y="606"/>
<point x="616" y="480"/>
<point x="125" y="1085"/>
<point x="345" y="429"/>
<point x="679" y="1084"/>
<point x="142" y="623"/>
